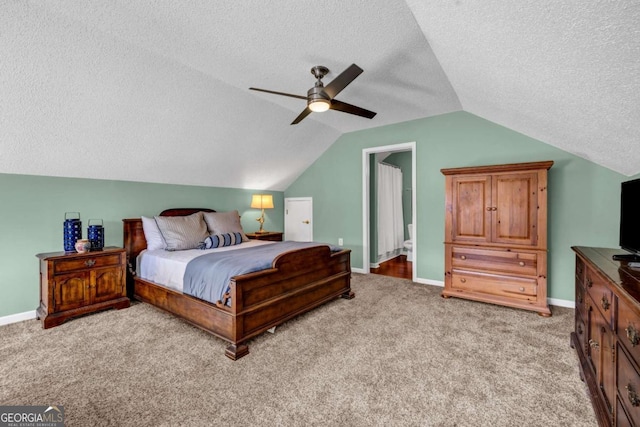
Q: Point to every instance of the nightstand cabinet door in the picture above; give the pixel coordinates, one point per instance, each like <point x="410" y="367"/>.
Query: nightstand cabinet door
<point x="71" y="291"/>
<point x="107" y="284"/>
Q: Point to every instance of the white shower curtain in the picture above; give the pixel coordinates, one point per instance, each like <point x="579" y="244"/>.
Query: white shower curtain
<point x="390" y="219"/>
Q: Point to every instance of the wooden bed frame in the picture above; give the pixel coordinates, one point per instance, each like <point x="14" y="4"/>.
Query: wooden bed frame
<point x="298" y="281"/>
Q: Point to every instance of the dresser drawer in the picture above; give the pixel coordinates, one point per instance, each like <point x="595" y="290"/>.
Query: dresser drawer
<point x="502" y="261"/>
<point x="581" y="331"/>
<point x="628" y="387"/>
<point x="513" y="287"/>
<point x="580" y="269"/>
<point x="600" y="293"/>
<point x="622" y="419"/>
<point x="581" y="299"/>
<point x="628" y="328"/>
<point x="86" y="261"/>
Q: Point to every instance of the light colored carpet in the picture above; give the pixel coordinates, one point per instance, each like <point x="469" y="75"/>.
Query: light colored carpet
<point x="396" y="355"/>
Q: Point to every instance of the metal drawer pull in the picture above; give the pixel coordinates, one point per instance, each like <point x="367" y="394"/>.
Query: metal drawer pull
<point x="594" y="344"/>
<point x="521" y="288"/>
<point x="632" y="335"/>
<point x="463" y="257"/>
<point x="463" y="280"/>
<point x="90" y="262"/>
<point x="633" y="396"/>
<point x="605" y="303"/>
<point x="521" y="263"/>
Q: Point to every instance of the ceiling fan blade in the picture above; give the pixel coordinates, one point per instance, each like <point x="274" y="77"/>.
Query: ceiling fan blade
<point x="351" y="109"/>
<point x="279" y="93"/>
<point x="340" y="82"/>
<point x="301" y="116"/>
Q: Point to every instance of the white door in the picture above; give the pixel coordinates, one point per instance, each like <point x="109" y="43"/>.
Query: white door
<point x="298" y="216"/>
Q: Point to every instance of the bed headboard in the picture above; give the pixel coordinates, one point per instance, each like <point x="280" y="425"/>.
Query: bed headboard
<point x="134" y="241"/>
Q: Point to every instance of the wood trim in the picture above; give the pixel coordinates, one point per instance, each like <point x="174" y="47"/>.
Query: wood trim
<point x="498" y="168"/>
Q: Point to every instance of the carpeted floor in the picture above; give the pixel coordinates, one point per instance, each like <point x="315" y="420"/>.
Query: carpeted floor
<point x="396" y="355"/>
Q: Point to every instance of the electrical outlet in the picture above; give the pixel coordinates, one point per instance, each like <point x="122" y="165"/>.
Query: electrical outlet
<point x="340" y="242"/>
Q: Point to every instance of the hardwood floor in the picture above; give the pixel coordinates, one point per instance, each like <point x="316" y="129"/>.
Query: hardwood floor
<point x="396" y="267"/>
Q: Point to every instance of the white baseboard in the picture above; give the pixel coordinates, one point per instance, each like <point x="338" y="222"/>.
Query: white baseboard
<point x="19" y="317"/>
<point x="561" y="302"/>
<point x="552" y="301"/>
<point x="430" y="282"/>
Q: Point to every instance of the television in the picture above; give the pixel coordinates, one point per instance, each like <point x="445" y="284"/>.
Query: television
<point x="630" y="221"/>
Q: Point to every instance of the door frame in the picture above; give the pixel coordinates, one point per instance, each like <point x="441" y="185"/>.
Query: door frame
<point x="308" y="199"/>
<point x="366" y="201"/>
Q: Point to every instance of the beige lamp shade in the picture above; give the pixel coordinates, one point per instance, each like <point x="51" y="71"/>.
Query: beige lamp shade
<point x="262" y="201"/>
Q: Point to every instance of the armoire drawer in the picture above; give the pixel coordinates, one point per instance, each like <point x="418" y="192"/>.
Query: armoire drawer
<point x="498" y="260"/>
<point x="523" y="288"/>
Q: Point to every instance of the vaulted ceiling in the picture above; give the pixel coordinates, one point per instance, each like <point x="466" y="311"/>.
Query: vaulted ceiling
<point x="157" y="91"/>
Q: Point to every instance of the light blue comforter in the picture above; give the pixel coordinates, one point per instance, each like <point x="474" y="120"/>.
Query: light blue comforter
<point x="208" y="276"/>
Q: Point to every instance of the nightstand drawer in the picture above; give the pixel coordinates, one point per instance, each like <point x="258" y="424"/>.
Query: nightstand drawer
<point x="88" y="261"/>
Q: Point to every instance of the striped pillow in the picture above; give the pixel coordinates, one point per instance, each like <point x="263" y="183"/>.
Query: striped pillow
<point x="182" y="232"/>
<point x="220" y="240"/>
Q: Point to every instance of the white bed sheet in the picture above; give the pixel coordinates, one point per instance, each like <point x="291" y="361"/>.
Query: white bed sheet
<point x="167" y="268"/>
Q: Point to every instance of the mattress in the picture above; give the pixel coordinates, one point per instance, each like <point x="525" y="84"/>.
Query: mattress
<point x="167" y="268"/>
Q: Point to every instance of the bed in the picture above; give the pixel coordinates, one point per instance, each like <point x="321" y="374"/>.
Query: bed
<point x="297" y="281"/>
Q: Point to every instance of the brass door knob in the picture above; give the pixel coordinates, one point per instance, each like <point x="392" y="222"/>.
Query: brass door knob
<point x="306" y="222"/>
<point x="521" y="263"/>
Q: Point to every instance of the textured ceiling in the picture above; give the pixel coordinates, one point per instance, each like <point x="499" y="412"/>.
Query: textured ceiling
<point x="157" y="91"/>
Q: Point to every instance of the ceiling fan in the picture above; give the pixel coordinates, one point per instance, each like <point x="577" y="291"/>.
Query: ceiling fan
<point x="322" y="98"/>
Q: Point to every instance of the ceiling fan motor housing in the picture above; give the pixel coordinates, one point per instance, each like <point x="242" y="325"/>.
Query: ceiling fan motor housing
<point x="315" y="93"/>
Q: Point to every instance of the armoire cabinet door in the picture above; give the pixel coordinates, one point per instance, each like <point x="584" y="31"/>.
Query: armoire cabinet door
<point x="514" y="200"/>
<point x="471" y="220"/>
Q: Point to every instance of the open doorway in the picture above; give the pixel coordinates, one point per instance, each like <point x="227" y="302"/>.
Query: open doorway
<point x="373" y="261"/>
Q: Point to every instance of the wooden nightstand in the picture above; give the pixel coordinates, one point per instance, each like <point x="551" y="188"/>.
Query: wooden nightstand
<point x="73" y="284"/>
<point x="274" y="236"/>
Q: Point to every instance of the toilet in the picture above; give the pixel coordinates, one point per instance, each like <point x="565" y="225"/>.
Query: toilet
<point x="408" y="244"/>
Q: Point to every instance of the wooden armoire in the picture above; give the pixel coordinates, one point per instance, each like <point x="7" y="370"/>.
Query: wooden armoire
<point x="496" y="234"/>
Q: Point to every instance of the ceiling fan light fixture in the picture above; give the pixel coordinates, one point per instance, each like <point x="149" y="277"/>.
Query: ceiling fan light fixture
<point x="319" y="105"/>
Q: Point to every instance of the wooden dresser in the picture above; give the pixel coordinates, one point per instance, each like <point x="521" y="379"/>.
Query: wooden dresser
<point x="496" y="234"/>
<point x="607" y="334"/>
<point x="73" y="284"/>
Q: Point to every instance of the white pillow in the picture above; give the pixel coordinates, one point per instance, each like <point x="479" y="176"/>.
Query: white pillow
<point x="152" y="234"/>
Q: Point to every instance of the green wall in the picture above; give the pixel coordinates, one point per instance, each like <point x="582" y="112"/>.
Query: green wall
<point x="33" y="209"/>
<point x="584" y="198"/>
